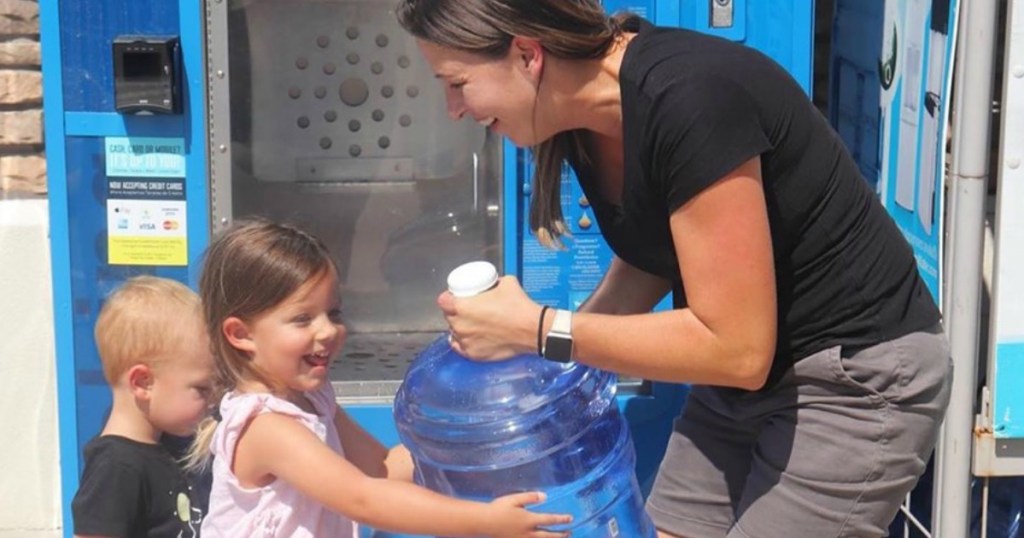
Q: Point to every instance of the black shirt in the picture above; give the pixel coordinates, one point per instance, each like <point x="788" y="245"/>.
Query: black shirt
<point x="131" y="489"/>
<point x="696" y="107"/>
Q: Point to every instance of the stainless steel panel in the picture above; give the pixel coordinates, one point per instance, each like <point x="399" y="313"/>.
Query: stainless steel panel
<point x="337" y="125"/>
<point x="342" y="80"/>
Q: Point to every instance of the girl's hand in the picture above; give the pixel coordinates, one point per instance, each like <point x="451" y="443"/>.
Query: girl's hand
<point x="497" y="324"/>
<point x="510" y="518"/>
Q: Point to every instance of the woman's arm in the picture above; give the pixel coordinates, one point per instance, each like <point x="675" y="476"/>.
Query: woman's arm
<point x="626" y="290"/>
<point x="725" y="336"/>
<point x="277" y="447"/>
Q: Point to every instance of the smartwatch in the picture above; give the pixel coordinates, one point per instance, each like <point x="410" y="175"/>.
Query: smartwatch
<point x="558" y="342"/>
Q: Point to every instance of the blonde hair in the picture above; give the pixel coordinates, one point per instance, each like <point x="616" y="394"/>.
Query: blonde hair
<point x="252" y="267"/>
<point x="136" y="324"/>
<point x="568" y="29"/>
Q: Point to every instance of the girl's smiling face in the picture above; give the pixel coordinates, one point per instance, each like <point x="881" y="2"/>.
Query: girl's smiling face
<point x="295" y="342"/>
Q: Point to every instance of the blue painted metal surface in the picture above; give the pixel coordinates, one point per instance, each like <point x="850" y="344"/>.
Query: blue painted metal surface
<point x="67" y="391"/>
<point x="889" y="99"/>
<point x="1008" y="422"/>
<point x="76" y="38"/>
<point x="854" y="95"/>
<point x="87" y="29"/>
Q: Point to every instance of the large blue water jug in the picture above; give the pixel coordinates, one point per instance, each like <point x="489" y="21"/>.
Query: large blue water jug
<point x="481" y="430"/>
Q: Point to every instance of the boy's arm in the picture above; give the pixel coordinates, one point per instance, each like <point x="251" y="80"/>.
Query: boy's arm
<point x="399" y="464"/>
<point x="367" y="453"/>
<point x="361" y="449"/>
<point x="281" y="447"/>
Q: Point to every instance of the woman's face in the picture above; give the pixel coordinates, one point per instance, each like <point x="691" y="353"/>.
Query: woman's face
<point x="500" y="94"/>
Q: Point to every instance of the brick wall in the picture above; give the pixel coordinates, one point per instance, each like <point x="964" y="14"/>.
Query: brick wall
<point x="22" y="164"/>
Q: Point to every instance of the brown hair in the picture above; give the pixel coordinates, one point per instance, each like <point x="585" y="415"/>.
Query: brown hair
<point x="136" y="324"/>
<point x="569" y="29"/>
<point x="249" y="269"/>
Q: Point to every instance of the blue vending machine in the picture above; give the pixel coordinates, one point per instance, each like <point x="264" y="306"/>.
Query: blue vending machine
<point x="166" y="120"/>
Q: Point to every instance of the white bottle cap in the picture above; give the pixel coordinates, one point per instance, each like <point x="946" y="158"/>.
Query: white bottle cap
<point x="472" y="278"/>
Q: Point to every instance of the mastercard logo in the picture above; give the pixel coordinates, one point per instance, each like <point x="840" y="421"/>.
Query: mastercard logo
<point x="170" y="225"/>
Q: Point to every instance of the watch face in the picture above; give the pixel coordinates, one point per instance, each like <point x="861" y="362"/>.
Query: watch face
<point x="558" y="349"/>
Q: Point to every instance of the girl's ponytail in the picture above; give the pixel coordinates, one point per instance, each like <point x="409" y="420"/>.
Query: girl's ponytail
<point x="198" y="456"/>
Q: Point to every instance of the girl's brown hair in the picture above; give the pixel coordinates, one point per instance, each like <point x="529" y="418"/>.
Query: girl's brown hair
<point x="569" y="29"/>
<point x="249" y="269"/>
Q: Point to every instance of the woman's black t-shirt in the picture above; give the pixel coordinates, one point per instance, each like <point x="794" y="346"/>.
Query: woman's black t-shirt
<point x="695" y="107"/>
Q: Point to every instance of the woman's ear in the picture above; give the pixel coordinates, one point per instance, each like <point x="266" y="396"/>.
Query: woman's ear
<point x="528" y="55"/>
<point x="238" y="334"/>
<point x="140" y="380"/>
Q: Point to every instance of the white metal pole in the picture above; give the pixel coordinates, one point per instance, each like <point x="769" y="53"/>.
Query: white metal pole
<point x="972" y="118"/>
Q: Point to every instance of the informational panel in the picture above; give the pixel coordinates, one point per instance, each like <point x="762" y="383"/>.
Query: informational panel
<point x="915" y="77"/>
<point x="146" y="222"/>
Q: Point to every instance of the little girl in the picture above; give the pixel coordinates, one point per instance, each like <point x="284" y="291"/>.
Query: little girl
<point x="288" y="461"/>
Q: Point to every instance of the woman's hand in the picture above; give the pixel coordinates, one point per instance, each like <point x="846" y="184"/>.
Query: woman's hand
<point x="497" y="324"/>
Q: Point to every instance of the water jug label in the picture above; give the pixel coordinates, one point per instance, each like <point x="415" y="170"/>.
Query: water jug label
<point x="613" y="528"/>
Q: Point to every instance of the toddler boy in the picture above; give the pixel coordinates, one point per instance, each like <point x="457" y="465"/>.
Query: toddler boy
<point x="156" y="358"/>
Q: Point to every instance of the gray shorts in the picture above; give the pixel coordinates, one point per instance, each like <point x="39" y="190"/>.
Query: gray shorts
<point x="831" y="450"/>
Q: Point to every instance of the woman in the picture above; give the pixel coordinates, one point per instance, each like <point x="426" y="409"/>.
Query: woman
<point x="819" y="366"/>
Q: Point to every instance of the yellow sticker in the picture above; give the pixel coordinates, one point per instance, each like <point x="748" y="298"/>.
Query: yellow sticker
<point x="147" y="250"/>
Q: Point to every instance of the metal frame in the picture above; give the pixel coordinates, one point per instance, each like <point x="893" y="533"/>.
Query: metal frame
<point x="60" y="245"/>
<point x="968" y="187"/>
<point x="219" y="100"/>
